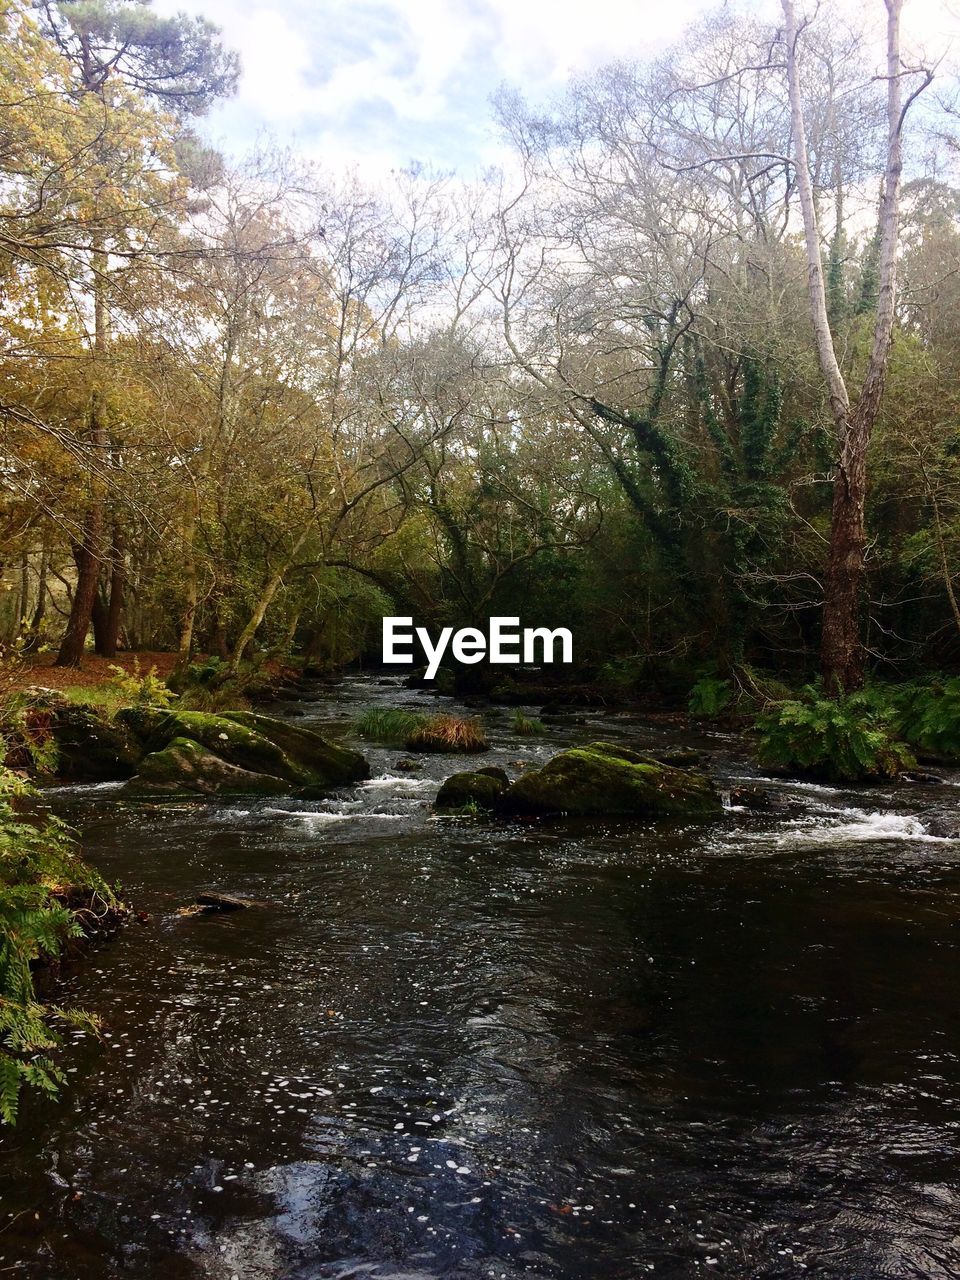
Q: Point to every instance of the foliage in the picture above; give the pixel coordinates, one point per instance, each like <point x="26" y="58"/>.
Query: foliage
<point x="843" y="740"/>
<point x="208" y="671"/>
<point x="139" y="689"/>
<point x="25" y="734"/>
<point x="393" y="725"/>
<point x="709" y="697"/>
<point x="527" y="726"/>
<point x="928" y="716"/>
<point x="40" y="877"/>
<point x="448" y="733"/>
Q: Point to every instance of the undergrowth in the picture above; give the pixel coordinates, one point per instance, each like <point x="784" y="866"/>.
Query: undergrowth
<point x="40" y="877"/>
<point x="838" y="739"/>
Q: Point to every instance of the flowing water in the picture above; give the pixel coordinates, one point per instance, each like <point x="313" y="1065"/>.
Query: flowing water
<point x="454" y="1049"/>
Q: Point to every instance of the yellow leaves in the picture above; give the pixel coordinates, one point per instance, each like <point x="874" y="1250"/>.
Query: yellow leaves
<point x="71" y="163"/>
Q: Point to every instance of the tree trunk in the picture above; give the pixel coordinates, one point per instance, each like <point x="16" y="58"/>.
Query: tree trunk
<point x="118" y="582"/>
<point x="263" y="604"/>
<point x="91" y="552"/>
<point x="32" y="642"/>
<point x="191" y="585"/>
<point x="98" y="619"/>
<point x="842" y="654"/>
<point x="841" y="648"/>
<point x="23" y="605"/>
<point x="89" y="557"/>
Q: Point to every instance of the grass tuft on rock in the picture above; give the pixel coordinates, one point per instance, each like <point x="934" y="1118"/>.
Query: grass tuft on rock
<point x="528" y="726"/>
<point x="448" y="733"/>
<point x="392" y="725"/>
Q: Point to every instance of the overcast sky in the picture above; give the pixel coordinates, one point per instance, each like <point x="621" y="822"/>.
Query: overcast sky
<point x="380" y="83"/>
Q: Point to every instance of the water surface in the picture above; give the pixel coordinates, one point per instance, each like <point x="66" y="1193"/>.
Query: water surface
<point x="456" y="1050"/>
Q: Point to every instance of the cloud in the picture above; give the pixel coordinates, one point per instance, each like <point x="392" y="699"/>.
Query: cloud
<point x="382" y="82"/>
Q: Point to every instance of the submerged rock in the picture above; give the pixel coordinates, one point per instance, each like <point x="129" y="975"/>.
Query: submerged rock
<point x="211" y="901"/>
<point x="603" y="779"/>
<point x="483" y="788"/>
<point x="235" y="752"/>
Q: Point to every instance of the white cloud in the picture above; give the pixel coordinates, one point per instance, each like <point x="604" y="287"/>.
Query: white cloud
<point x="381" y="82"/>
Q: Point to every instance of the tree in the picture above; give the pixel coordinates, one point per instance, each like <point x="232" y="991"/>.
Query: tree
<point x="115" y="48"/>
<point x="842" y="650"/>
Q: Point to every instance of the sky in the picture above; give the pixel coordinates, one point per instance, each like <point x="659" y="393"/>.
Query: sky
<point x="378" y="84"/>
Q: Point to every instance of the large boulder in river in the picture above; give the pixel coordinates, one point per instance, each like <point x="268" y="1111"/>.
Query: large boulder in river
<point x="184" y="767"/>
<point x="605" y="780"/>
<point x="480" y="789"/>
<point x="235" y="752"/>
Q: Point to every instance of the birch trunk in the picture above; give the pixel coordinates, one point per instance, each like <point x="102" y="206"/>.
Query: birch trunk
<point x="842" y="651"/>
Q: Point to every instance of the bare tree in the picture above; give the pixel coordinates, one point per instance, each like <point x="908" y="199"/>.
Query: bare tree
<point x="842" y="650"/>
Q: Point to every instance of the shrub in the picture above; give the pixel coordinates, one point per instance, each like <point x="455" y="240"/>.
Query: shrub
<point x="40" y="876"/>
<point x="140" y="689"/>
<point x="392" y="725"/>
<point x="527" y="727"/>
<point x="708" y="697"/>
<point x="841" y="740"/>
<point x="928" y="716"/>
<point x="448" y="733"/>
<point x="209" y="671"/>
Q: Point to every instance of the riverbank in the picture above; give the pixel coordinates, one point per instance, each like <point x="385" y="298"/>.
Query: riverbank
<point x="52" y="906"/>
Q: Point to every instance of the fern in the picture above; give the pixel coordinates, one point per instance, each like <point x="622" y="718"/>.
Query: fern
<point x="39" y="873"/>
<point x="709" y="697"/>
<point x="928" y="717"/>
<point x="141" y="689"/>
<point x="841" y="740"/>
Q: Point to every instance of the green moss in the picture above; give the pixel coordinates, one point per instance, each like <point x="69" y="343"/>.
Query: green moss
<point x="83" y="744"/>
<point x="252" y="745"/>
<point x="186" y="768"/>
<point x="604" y="779"/>
<point x="462" y="790"/>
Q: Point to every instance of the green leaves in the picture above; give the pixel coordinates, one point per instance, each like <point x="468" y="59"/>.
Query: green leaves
<point x="841" y="740"/>
<point x="40" y="878"/>
<point x="708" y="697"/>
<point x="928" y="716"/>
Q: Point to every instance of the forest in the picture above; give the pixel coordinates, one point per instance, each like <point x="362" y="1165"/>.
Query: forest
<point x="253" y="407"/>
<point x="678" y="380"/>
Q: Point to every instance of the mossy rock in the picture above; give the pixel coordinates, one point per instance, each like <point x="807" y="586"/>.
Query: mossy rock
<point x="334" y="765"/>
<point x="253" y="744"/>
<point x="494" y="771"/>
<point x="186" y="768"/>
<point x="89" y="747"/>
<point x="606" y="780"/>
<point x="462" y="790"/>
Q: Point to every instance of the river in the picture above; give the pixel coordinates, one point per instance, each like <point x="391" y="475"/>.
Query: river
<point x="460" y="1050"/>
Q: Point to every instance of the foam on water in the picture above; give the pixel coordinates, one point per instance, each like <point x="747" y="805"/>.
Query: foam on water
<point x="391" y="782"/>
<point x="861" y="825"/>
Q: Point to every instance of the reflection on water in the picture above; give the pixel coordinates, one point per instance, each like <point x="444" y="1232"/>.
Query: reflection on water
<point x="564" y="1051"/>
